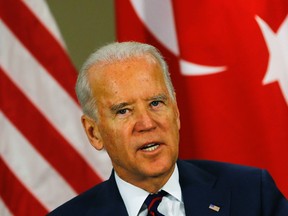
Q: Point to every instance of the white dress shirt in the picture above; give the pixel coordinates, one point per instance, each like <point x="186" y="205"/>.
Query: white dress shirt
<point x="134" y="197"/>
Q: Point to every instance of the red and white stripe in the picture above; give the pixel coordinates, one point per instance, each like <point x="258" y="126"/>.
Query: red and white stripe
<point x="45" y="158"/>
<point x="4" y="209"/>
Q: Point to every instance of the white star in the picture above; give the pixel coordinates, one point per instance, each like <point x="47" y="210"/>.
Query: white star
<point x="277" y="44"/>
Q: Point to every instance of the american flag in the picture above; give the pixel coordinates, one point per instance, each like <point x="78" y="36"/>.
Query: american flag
<point x="45" y="158"/>
<point x="214" y="207"/>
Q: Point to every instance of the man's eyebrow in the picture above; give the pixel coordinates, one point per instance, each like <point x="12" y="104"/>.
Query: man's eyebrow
<point x="116" y="107"/>
<point x="160" y="97"/>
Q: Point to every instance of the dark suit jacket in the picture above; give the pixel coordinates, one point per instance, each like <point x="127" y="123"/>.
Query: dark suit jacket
<point x="237" y="190"/>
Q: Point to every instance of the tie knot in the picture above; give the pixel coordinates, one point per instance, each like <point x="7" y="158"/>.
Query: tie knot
<point x="153" y="201"/>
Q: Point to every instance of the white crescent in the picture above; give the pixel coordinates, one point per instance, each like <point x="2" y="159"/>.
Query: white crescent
<point x="158" y="17"/>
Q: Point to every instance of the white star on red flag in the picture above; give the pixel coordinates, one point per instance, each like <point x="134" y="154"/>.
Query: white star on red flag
<point x="277" y="44"/>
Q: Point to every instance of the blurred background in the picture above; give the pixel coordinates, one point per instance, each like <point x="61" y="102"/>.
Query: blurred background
<point x="85" y="25"/>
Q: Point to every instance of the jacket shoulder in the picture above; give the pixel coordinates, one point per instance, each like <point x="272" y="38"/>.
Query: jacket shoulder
<point x="216" y="168"/>
<point x="80" y="204"/>
<point x="230" y="175"/>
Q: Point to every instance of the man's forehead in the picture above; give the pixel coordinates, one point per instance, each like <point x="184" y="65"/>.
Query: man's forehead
<point x="136" y="95"/>
<point x="105" y="73"/>
<point x="127" y="80"/>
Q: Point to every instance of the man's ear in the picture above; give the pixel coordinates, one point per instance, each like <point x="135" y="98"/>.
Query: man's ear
<point x="92" y="132"/>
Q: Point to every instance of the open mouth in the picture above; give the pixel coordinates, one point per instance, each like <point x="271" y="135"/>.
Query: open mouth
<point x="150" y="147"/>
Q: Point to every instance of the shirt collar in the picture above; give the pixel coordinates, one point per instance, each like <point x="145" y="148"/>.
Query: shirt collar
<point x="172" y="186"/>
<point x="134" y="197"/>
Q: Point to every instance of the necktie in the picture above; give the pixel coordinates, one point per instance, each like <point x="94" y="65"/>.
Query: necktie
<point x="153" y="201"/>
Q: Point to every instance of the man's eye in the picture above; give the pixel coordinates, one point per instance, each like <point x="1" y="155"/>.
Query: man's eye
<point x="155" y="103"/>
<point x="122" y="111"/>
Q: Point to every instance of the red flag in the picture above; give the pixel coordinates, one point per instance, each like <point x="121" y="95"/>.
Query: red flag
<point x="228" y="62"/>
<point x="45" y="158"/>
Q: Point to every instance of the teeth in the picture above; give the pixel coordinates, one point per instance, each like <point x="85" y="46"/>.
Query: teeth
<point x="151" y="147"/>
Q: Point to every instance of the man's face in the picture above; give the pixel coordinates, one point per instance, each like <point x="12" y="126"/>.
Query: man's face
<point x="138" y="120"/>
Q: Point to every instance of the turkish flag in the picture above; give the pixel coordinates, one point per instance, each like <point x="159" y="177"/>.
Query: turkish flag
<point x="229" y="65"/>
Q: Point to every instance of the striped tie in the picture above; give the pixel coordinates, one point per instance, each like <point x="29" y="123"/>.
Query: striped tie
<point x="153" y="201"/>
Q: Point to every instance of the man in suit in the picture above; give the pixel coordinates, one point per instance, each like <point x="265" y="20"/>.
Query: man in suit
<point x="130" y="110"/>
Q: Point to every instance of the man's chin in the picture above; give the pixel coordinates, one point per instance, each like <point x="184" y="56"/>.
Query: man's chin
<point x="158" y="170"/>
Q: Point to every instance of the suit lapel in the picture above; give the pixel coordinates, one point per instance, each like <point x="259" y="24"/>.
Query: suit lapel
<point x="112" y="203"/>
<point x="200" y="190"/>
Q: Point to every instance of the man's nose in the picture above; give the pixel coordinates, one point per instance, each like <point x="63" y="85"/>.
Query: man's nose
<point x="144" y="121"/>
